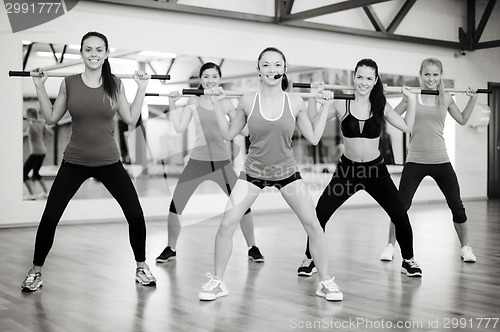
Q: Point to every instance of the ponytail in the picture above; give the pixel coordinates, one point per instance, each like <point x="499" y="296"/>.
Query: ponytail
<point x="284" y="82"/>
<point x="109" y="83"/>
<point x="377" y="98"/>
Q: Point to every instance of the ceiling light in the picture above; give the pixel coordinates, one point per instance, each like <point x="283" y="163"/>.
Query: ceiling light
<point x="153" y="54"/>
<point x="58" y="55"/>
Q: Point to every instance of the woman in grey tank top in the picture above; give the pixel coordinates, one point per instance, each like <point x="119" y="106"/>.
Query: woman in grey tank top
<point x="209" y="160"/>
<point x="92" y="99"/>
<point x="427" y="154"/>
<point x="271" y="115"/>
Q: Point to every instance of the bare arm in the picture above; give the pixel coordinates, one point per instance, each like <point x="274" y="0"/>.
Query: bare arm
<point x="462" y="117"/>
<point x="181" y="116"/>
<point x="51" y="113"/>
<point x="394" y="118"/>
<point x="401" y="108"/>
<point x="238" y="119"/>
<point x="130" y="114"/>
<point x="313" y="131"/>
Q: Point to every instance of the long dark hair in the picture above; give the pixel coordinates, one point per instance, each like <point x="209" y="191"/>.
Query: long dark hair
<point x="377" y="97"/>
<point x="208" y="65"/>
<point x="284" y="81"/>
<point x="108" y="79"/>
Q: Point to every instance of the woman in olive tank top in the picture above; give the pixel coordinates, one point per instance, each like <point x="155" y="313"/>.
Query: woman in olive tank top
<point x="92" y="99"/>
<point x="209" y="160"/>
<point x="271" y="115"/>
<point x="427" y="155"/>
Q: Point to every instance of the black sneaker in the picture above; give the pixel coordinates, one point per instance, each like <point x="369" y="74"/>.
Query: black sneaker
<point x="255" y="255"/>
<point x="307" y="268"/>
<point x="166" y="255"/>
<point x="411" y="268"/>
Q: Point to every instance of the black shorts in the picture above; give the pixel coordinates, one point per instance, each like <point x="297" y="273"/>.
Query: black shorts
<point x="270" y="183"/>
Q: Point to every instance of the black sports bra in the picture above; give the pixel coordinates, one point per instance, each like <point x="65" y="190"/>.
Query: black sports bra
<point x="352" y="127"/>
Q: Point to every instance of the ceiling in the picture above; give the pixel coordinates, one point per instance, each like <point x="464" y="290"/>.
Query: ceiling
<point x="307" y="14"/>
<point x="382" y="19"/>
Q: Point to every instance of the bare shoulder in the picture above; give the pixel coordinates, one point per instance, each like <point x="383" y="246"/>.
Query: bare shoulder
<point x="246" y="101"/>
<point x="296" y="103"/>
<point x="295" y="99"/>
<point x="448" y="99"/>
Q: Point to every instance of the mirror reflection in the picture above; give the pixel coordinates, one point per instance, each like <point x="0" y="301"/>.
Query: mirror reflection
<point x="153" y="152"/>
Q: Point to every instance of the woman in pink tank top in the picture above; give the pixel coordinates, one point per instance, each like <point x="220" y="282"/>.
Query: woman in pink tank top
<point x="427" y="154"/>
<point x="271" y="115"/>
<point x="209" y="160"/>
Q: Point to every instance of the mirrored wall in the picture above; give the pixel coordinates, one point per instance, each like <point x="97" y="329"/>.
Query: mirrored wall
<point x="152" y="152"/>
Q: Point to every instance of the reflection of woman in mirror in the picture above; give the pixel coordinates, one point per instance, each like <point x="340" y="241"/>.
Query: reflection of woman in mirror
<point x="36" y="130"/>
<point x="427" y="155"/>
<point x="271" y="115"/>
<point x="92" y="98"/>
<point x="209" y="160"/>
<point x="362" y="166"/>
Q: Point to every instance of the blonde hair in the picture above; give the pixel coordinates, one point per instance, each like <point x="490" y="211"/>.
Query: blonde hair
<point x="437" y="63"/>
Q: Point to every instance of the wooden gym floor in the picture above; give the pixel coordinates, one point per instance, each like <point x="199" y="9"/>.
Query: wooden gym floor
<point x="89" y="278"/>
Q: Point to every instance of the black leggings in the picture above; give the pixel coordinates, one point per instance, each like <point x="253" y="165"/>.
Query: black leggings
<point x="69" y="178"/>
<point x="374" y="178"/>
<point x="34" y="162"/>
<point x="446" y="179"/>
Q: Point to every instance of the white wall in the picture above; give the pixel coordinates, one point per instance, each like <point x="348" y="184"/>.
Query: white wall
<point x="136" y="29"/>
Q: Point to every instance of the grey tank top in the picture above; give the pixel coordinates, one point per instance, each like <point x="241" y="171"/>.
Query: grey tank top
<point x="270" y="155"/>
<point x="427" y="144"/>
<point x="35" y="138"/>
<point x="209" y="143"/>
<point x="92" y="141"/>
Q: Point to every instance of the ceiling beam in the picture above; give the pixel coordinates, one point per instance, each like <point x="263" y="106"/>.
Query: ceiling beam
<point x="174" y="7"/>
<point x="488" y="44"/>
<point x="400" y="15"/>
<point x="279" y="10"/>
<point x="297" y="19"/>
<point x="372" y="16"/>
<point x="330" y="9"/>
<point x="289" y="5"/>
<point x="376" y="34"/>
<point x="484" y="19"/>
<point x="27" y="55"/>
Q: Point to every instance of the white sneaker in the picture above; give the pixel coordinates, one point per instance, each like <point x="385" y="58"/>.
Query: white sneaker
<point x="388" y="253"/>
<point x="212" y="289"/>
<point x="329" y="290"/>
<point x="467" y="254"/>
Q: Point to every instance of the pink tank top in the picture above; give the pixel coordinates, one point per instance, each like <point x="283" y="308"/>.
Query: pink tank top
<point x="209" y="143"/>
<point x="270" y="155"/>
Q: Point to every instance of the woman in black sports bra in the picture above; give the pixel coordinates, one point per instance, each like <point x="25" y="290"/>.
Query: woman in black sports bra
<point x="361" y="167"/>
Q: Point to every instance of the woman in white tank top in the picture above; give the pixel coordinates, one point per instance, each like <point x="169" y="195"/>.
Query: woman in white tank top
<point x="277" y="111"/>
